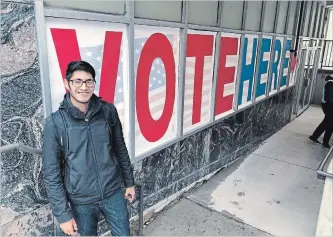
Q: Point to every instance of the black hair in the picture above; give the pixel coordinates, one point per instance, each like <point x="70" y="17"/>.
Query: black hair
<point x="79" y="66"/>
<point x="328" y="78"/>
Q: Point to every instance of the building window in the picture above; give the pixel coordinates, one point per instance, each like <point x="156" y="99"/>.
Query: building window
<point x="312" y="19"/>
<point x="282" y="17"/>
<point x="203" y="12"/>
<point x="321" y="11"/>
<point x="308" y="6"/>
<point x="159" y="10"/>
<point x="253" y="15"/>
<point x="292" y="21"/>
<point x="316" y="21"/>
<point x="269" y="17"/>
<point x="232" y="14"/>
<point x="113" y="7"/>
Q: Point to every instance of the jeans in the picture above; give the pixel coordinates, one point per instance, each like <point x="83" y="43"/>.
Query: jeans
<point x="326" y="125"/>
<point x="114" y="210"/>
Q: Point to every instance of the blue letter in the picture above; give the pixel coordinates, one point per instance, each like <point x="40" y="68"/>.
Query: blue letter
<point x="263" y="66"/>
<point x="247" y="71"/>
<point x="275" y="64"/>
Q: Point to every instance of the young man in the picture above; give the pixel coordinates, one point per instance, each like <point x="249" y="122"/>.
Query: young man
<point x="327" y="124"/>
<point x="85" y="159"/>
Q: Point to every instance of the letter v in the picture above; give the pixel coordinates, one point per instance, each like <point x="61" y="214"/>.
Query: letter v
<point x="67" y="49"/>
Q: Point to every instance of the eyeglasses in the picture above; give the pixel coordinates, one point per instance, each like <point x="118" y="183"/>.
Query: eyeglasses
<point x="78" y="83"/>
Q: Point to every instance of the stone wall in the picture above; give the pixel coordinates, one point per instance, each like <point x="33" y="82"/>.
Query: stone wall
<point x="24" y="206"/>
<point x="172" y="169"/>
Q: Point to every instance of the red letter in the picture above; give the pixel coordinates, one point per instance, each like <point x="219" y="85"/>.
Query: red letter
<point x="198" y="46"/>
<point x="67" y="49"/>
<point x="226" y="75"/>
<point x="157" y="46"/>
<point x="111" y="54"/>
<point x="66" y="46"/>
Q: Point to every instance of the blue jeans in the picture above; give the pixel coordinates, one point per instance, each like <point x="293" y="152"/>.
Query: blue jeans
<point x="114" y="210"/>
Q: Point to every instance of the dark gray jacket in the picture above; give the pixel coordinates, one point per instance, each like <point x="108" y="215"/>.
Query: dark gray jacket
<point x="83" y="161"/>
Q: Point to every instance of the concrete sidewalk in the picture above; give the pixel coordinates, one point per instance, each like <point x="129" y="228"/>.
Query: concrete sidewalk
<point x="273" y="191"/>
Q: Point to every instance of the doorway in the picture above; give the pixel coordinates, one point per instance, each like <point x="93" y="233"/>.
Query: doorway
<point x="306" y="77"/>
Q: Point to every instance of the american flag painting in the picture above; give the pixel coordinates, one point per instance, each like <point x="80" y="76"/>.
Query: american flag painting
<point x="157" y="89"/>
<point x="90" y="39"/>
<point x="94" y="56"/>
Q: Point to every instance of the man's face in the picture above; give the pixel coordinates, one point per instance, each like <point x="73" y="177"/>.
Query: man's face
<point x="81" y="86"/>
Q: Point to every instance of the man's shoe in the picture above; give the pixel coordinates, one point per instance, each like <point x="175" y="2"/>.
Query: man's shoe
<point x="314" y="140"/>
<point x="326" y="145"/>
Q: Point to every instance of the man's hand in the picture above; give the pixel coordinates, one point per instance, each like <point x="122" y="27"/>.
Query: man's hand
<point x="130" y="193"/>
<point x="69" y="227"/>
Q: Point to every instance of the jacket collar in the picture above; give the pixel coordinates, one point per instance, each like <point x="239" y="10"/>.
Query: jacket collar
<point x="93" y="107"/>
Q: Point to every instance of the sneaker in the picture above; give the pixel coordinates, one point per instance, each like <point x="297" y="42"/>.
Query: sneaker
<point x="326" y="145"/>
<point x="314" y="140"/>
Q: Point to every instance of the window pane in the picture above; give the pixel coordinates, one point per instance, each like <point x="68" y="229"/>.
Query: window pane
<point x="319" y="17"/>
<point x="270" y="11"/>
<point x="159" y="10"/>
<point x="291" y="18"/>
<point x="306" y="18"/>
<point x="321" y="22"/>
<point x="115" y="7"/>
<point x="327" y="19"/>
<point x="312" y="15"/>
<point x="232" y="13"/>
<point x="317" y="20"/>
<point x="253" y="15"/>
<point x="203" y="12"/>
<point x="329" y="33"/>
<point x="281" y="21"/>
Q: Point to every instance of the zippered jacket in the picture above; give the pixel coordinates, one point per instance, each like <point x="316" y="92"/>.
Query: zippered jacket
<point x="85" y="158"/>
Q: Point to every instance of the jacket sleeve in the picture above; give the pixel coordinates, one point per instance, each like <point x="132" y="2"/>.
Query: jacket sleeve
<point x="121" y="151"/>
<point x="52" y="174"/>
<point x="329" y="92"/>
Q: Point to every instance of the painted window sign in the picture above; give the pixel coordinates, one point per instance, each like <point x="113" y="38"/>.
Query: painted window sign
<point x="285" y="64"/>
<point x="276" y="65"/>
<point x="198" y="78"/>
<point x="156" y="53"/>
<point x="156" y="81"/>
<point x="248" y="70"/>
<point x="227" y="72"/>
<point x="263" y="70"/>
<point x="103" y="47"/>
<point x="293" y="64"/>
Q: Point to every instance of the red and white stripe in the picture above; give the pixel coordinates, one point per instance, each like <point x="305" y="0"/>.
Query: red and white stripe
<point x="189" y="91"/>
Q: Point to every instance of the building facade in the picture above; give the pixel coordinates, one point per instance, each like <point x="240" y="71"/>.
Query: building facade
<point x="197" y="86"/>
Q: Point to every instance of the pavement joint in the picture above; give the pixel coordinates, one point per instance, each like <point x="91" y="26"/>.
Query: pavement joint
<point x="283" y="161"/>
